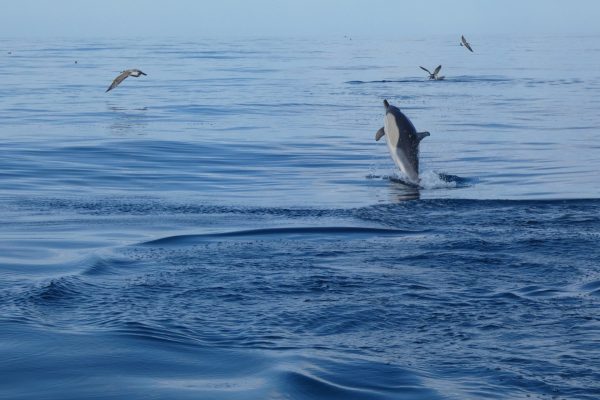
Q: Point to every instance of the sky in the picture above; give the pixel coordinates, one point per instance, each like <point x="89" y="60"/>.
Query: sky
<point x="370" y="18"/>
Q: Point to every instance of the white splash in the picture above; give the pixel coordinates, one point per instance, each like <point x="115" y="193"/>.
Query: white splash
<point x="431" y="180"/>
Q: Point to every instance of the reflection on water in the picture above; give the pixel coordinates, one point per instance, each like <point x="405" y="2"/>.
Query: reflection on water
<point x="128" y="120"/>
<point x="405" y="195"/>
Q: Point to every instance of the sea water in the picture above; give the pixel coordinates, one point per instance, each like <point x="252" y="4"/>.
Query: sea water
<point x="227" y="227"/>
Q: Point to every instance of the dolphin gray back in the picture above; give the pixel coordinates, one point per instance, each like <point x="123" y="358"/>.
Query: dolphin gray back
<point x="402" y="120"/>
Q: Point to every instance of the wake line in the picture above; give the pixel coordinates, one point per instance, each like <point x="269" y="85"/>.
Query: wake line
<point x="303" y="231"/>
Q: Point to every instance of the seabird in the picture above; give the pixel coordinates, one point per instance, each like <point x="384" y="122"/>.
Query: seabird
<point x="463" y="42"/>
<point x="434" y="76"/>
<point x="128" y="72"/>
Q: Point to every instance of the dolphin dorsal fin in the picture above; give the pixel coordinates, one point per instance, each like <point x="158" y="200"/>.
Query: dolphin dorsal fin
<point x="379" y="133"/>
<point x="421" y="135"/>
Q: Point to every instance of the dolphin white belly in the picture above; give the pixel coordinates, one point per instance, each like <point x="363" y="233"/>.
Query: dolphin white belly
<point x="392" y="134"/>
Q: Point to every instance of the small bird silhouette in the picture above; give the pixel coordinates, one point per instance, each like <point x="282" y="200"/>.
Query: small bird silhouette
<point x="128" y="72"/>
<point x="463" y="42"/>
<point x="434" y="76"/>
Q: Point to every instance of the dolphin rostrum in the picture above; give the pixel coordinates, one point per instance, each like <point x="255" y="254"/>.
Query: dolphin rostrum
<point x="402" y="140"/>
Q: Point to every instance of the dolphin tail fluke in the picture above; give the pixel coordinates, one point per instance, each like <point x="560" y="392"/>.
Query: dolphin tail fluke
<point x="422" y="135"/>
<point x="379" y="134"/>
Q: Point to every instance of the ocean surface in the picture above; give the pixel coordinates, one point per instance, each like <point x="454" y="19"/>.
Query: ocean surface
<point x="226" y="227"/>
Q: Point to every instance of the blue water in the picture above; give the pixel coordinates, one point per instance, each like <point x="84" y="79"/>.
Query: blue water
<point x="228" y="228"/>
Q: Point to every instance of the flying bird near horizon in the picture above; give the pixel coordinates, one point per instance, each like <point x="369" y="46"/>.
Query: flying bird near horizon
<point x="434" y="76"/>
<point x="128" y="72"/>
<point x="463" y="42"/>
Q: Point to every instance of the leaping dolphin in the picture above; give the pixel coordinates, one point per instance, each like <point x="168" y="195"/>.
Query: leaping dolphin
<point x="402" y="140"/>
<point x="128" y="72"/>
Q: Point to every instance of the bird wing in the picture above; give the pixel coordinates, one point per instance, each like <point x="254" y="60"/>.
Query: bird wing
<point x="465" y="43"/>
<point x="425" y="69"/>
<point x="118" y="80"/>
<point x="435" y="71"/>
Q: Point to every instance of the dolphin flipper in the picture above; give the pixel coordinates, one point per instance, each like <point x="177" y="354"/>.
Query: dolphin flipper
<point x="421" y="135"/>
<point x="379" y="133"/>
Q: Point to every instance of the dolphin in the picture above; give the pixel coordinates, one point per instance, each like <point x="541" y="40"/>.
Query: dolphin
<point x="124" y="74"/>
<point x="402" y="140"/>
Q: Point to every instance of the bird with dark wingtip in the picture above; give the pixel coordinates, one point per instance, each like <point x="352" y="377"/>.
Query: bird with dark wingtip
<point x="463" y="42"/>
<point x="434" y="76"/>
<point x="128" y="72"/>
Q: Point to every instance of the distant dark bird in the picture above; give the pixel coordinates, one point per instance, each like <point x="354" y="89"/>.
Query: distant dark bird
<point x="434" y="76"/>
<point x="10" y="52"/>
<point x="463" y="42"/>
<point x="75" y="61"/>
<point x="128" y="72"/>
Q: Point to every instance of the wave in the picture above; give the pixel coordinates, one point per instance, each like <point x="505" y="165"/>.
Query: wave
<point x="345" y="231"/>
<point x="456" y="79"/>
<point x="143" y="206"/>
<point x="592" y="288"/>
<point x="338" y="379"/>
<point x="172" y="335"/>
<point x="429" y="180"/>
<point x="66" y="292"/>
<point x="386" y="81"/>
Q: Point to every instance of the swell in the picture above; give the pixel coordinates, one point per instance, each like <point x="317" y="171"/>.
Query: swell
<point x="456" y="79"/>
<point x="143" y="205"/>
<point x="314" y="378"/>
<point x="345" y="231"/>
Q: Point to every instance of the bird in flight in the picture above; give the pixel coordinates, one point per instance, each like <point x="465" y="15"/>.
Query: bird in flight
<point x="435" y="73"/>
<point x="128" y="72"/>
<point x="463" y="42"/>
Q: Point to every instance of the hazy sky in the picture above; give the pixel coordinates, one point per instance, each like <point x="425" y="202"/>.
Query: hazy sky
<point x="108" y="18"/>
